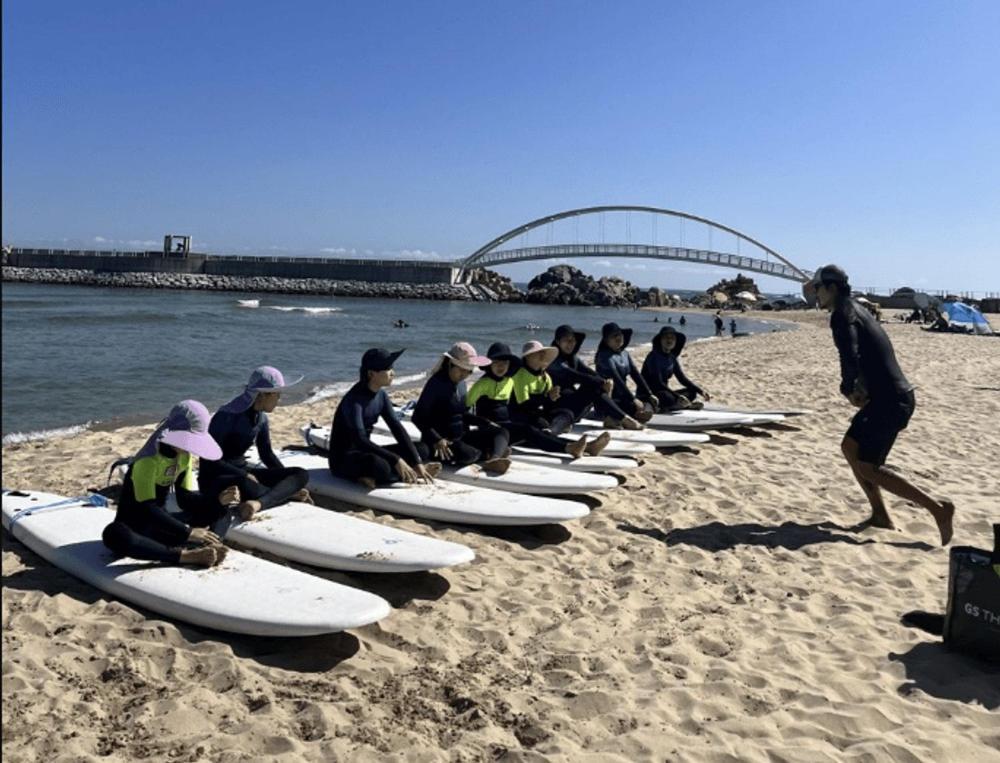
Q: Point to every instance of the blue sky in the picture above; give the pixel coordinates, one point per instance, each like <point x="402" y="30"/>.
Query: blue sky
<point x="862" y="133"/>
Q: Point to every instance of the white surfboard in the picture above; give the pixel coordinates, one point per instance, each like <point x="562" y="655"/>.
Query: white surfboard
<point x="696" y="421"/>
<point x="441" y="500"/>
<point x="657" y="438"/>
<point x="786" y="412"/>
<point x="314" y="535"/>
<point x="242" y="595"/>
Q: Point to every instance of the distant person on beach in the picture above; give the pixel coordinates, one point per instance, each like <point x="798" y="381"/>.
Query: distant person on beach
<point x="240" y="424"/>
<point x="732" y="327"/>
<point x="455" y="435"/>
<point x="718" y="324"/>
<point x="353" y="455"/>
<point x="872" y="380"/>
<point x="663" y="364"/>
<point x="491" y="396"/>
<point x="142" y="528"/>
<point x="581" y="386"/>
<point x="615" y="364"/>
<point x="539" y="402"/>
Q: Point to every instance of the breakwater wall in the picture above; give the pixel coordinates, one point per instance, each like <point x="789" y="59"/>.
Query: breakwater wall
<point x="324" y="268"/>
<point x="254" y="284"/>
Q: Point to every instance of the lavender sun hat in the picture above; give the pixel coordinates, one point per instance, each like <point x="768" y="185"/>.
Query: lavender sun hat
<point x="263" y="379"/>
<point x="185" y="428"/>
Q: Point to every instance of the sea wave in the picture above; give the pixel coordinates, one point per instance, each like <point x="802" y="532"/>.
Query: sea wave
<point x="15" y="438"/>
<point x="309" y="310"/>
<point x="337" y="389"/>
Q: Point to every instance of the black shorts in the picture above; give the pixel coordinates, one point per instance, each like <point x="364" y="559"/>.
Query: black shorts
<point x="876" y="425"/>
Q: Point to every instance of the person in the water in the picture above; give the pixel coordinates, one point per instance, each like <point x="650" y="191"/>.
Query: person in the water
<point x="236" y="426"/>
<point x="871" y="379"/>
<point x="353" y="455"/>
<point x="538" y="402"/>
<point x="491" y="396"/>
<point x="662" y="364"/>
<point x="454" y="434"/>
<point x="614" y="363"/>
<point x="580" y="386"/>
<point x="142" y="528"/>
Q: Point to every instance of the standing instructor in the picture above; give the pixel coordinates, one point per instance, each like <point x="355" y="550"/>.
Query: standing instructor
<point x="872" y="380"/>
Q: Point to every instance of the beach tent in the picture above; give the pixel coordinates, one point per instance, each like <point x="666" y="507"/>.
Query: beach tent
<point x="967" y="317"/>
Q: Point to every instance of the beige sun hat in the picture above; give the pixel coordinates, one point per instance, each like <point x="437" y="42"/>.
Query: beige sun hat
<point x="533" y="347"/>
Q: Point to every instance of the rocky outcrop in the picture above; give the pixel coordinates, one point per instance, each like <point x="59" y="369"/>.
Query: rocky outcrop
<point x="566" y="285"/>
<point x="732" y="287"/>
<point x="262" y="284"/>
<point x="499" y="288"/>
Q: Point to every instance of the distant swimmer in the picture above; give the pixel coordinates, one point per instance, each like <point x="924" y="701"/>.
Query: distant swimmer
<point x="718" y="323"/>
<point x="872" y="381"/>
<point x="683" y="321"/>
<point x="732" y="327"/>
<point x="400" y="324"/>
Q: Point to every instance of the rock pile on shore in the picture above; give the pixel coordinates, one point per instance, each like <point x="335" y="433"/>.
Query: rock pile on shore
<point x="240" y="283"/>
<point x="566" y="285"/>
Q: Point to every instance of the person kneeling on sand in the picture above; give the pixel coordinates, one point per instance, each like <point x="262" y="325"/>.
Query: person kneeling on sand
<point x="142" y="528"/>
<point x="457" y="436"/>
<point x="664" y="363"/>
<point x="872" y="381"/>
<point x="490" y="397"/>
<point x="540" y="403"/>
<point x="614" y="362"/>
<point x="236" y="426"/>
<point x="580" y="386"/>
<point x="352" y="454"/>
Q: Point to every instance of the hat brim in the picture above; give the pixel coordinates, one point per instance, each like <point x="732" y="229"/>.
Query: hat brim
<point x="549" y="353"/>
<point x="469" y="364"/>
<point x="200" y="444"/>
<point x="284" y="386"/>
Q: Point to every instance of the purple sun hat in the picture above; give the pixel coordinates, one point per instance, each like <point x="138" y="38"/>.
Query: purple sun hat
<point x="185" y="428"/>
<point x="263" y="379"/>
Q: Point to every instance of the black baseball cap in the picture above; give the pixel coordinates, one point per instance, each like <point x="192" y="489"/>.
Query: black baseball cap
<point x="378" y="359"/>
<point x="829" y="274"/>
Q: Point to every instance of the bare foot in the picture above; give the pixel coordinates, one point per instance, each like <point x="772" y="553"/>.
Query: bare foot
<point x="644" y="415"/>
<point x="220" y="554"/>
<point x="203" y="556"/>
<point x="368" y="482"/>
<point x="433" y="468"/>
<point x="631" y="424"/>
<point x="496" y="466"/>
<point x="880" y="520"/>
<point x="610" y="423"/>
<point x="302" y="496"/>
<point x="595" y="447"/>
<point x="577" y="448"/>
<point x="944" y="517"/>
<point x="247" y="509"/>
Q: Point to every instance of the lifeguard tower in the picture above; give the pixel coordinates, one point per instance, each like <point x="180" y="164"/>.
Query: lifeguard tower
<point x="176" y="246"/>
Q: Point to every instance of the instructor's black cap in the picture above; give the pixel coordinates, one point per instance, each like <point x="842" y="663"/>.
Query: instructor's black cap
<point x="829" y="274"/>
<point x="377" y="359"/>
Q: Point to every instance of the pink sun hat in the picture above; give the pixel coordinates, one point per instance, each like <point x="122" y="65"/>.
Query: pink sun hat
<point x="464" y="355"/>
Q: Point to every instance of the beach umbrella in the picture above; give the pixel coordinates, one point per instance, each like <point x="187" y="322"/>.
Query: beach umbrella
<point x="967" y="317"/>
<point x="746" y="296"/>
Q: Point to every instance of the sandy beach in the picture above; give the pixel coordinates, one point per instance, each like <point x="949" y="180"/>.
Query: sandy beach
<point x="717" y="607"/>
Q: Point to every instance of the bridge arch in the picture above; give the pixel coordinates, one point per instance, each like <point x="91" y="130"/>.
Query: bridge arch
<point x="491" y="254"/>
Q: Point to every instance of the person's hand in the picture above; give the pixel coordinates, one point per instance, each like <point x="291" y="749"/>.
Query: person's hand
<point x="708" y="397"/>
<point x="858" y="398"/>
<point x="229" y="496"/>
<point x="639" y="407"/>
<point x="554" y="394"/>
<point x="608" y="386"/>
<point x="204" y="537"/>
<point x="405" y="472"/>
<point x="423" y="475"/>
<point x="442" y="450"/>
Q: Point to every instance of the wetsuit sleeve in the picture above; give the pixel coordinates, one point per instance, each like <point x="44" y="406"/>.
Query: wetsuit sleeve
<point x="264" y="449"/>
<point x="150" y="508"/>
<point x="228" y="440"/>
<point x="845" y="337"/>
<point x="608" y="370"/>
<point x="396" y="427"/>
<point x="359" y="435"/>
<point x="428" y="410"/>
<point x="587" y="375"/>
<point x="684" y="380"/>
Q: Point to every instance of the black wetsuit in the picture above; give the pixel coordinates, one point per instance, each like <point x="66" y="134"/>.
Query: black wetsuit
<point x="441" y="414"/>
<point x="235" y="433"/>
<point x="619" y="367"/>
<point x="352" y="453"/>
<point x="145" y="530"/>
<point x="660" y="367"/>
<point x="581" y="387"/>
<point x="490" y="397"/>
<point x="868" y="365"/>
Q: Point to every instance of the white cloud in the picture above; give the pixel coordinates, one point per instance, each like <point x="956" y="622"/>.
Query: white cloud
<point x="339" y="250"/>
<point x="137" y="242"/>
<point x="100" y="240"/>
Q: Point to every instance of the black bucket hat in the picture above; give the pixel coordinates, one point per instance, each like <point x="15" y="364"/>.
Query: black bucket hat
<point x="501" y="351"/>
<point x="609" y="329"/>
<point x="378" y="359"/>
<point x="567" y="330"/>
<point x="678" y="346"/>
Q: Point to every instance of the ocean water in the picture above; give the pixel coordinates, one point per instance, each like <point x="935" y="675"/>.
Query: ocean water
<point x="76" y="356"/>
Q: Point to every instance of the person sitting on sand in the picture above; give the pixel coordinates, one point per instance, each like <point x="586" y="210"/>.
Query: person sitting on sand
<point x="580" y="386"/>
<point x="871" y="380"/>
<point x="142" y="528"/>
<point x="236" y="426"/>
<point x="455" y="435"/>
<point x="490" y="397"/>
<point x="664" y="363"/>
<point x="540" y="403"/>
<point x="614" y="362"/>
<point x="352" y="453"/>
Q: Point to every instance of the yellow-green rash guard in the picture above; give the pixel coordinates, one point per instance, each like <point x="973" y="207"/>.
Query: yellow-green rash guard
<point x="157" y="470"/>
<point x="528" y="385"/>
<point x="489" y="398"/>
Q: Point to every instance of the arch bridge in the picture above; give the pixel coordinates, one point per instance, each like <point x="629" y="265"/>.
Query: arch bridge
<point x="763" y="259"/>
